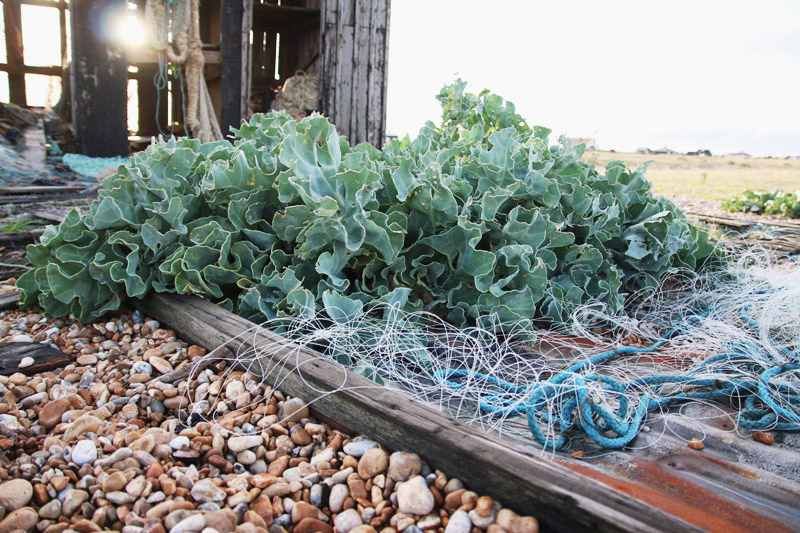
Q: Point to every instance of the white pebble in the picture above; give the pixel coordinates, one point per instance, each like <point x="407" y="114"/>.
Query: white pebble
<point x="21" y="338"/>
<point x="459" y="523"/>
<point x="26" y="362"/>
<point x="142" y="367"/>
<point x="84" y="452"/>
<point x="179" y="443"/>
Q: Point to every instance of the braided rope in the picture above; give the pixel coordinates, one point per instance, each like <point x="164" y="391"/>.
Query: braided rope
<point x="577" y="398"/>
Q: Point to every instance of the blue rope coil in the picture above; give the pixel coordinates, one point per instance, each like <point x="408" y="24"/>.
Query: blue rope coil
<point x="566" y="401"/>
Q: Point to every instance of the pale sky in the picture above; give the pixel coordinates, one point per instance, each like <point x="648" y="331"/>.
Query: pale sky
<point x="721" y="75"/>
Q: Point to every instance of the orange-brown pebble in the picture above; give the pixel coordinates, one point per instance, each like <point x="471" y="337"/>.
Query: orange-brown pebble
<point x="453" y="500"/>
<point x="483" y="507"/>
<point x="311" y="525"/>
<point x="764" y="438"/>
<point x="277" y="466"/>
<point x="578" y="454"/>
<point x="696" y="444"/>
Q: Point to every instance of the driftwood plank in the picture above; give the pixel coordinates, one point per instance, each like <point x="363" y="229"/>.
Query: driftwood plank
<point x="20" y="236"/>
<point x="561" y="500"/>
<point x="9" y="301"/>
<point x="41" y="198"/>
<point x="43" y="189"/>
<point x="53" y="214"/>
<point x="45" y="357"/>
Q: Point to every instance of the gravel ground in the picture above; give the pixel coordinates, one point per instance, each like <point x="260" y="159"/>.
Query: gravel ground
<point x="106" y="445"/>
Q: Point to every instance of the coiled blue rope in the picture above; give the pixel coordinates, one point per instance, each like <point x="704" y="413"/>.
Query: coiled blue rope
<point x="566" y="401"/>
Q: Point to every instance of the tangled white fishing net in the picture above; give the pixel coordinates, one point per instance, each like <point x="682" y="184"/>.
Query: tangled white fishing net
<point x="724" y="330"/>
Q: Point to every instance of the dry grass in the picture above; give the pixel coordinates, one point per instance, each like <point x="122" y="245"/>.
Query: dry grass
<point x="715" y="178"/>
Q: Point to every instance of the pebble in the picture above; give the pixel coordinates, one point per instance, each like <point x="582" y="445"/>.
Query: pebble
<point x="347" y="520"/>
<point x="459" y="523"/>
<point x="24" y="519"/>
<point x="206" y="491"/>
<point x="180" y="442"/>
<point x="293" y="410"/>
<point x="239" y="444"/>
<point x="51" y="413"/>
<point x="142" y="367"/>
<point x="336" y="499"/>
<point x="160" y="364"/>
<point x="357" y="448"/>
<point x="414" y="497"/>
<point x="114" y="482"/>
<point x="99" y="446"/>
<point x="21" y="338"/>
<point x="403" y="466"/>
<point x="72" y="500"/>
<point x="25" y="362"/>
<point x="84" y="452"/>
<point x="192" y="523"/>
<point x="15" y="494"/>
<point x="374" y="461"/>
<point x="85" y="424"/>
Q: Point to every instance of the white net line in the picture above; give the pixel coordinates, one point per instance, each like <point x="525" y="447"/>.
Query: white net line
<point x="415" y="353"/>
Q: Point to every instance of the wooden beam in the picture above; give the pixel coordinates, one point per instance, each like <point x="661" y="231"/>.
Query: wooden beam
<point x="12" y="16"/>
<point x="45" y="198"/>
<point x="327" y="80"/>
<point x="561" y="499"/>
<point x="45" y="358"/>
<point x="235" y="49"/>
<point x="99" y="73"/>
<point x="20" y="236"/>
<point x="9" y="301"/>
<point x="26" y="69"/>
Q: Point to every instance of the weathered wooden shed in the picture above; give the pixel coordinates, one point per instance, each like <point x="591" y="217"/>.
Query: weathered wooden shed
<point x="348" y="38"/>
<point x="250" y="48"/>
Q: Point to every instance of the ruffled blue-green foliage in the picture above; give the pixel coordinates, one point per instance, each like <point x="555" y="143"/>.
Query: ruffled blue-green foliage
<point x="477" y="215"/>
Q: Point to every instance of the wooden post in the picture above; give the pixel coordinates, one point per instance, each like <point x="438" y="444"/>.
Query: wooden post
<point x="12" y="15"/>
<point x="99" y="74"/>
<point x="353" y="72"/>
<point x="237" y="20"/>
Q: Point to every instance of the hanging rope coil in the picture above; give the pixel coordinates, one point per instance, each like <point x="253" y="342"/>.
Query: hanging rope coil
<point x="180" y="19"/>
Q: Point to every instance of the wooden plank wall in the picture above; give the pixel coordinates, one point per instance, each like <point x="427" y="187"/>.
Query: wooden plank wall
<point x="236" y="23"/>
<point x="353" y="75"/>
<point x="99" y="81"/>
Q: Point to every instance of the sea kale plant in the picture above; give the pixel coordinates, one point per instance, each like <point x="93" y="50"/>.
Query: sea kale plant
<point x="477" y="215"/>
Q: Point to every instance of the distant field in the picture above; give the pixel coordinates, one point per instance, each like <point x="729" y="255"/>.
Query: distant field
<point x="715" y="178"/>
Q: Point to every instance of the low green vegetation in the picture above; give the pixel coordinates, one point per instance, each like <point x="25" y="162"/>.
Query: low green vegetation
<point x="778" y="203"/>
<point x="20" y="224"/>
<point x="477" y="215"/>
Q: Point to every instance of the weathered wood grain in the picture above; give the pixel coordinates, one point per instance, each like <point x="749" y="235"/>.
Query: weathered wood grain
<point x="561" y="499"/>
<point x="9" y="301"/>
<point x="34" y="189"/>
<point x="328" y="38"/>
<point x="361" y="55"/>
<point x="20" y="236"/>
<point x="353" y="68"/>
<point x="45" y="357"/>
<point x="377" y="79"/>
<point x="343" y="74"/>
